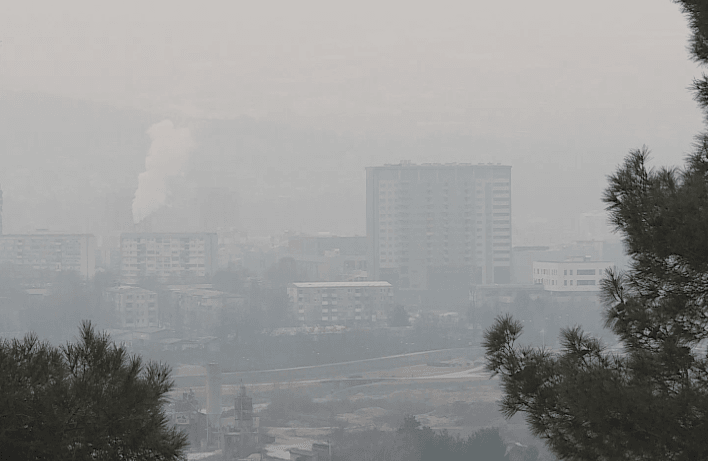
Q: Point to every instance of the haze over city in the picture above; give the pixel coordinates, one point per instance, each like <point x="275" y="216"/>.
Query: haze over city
<point x="315" y="230"/>
<point x="287" y="105"/>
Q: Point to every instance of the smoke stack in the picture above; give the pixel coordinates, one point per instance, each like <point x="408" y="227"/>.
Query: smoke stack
<point x="213" y="391"/>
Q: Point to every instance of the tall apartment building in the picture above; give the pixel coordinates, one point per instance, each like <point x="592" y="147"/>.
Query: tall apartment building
<point x="344" y="303"/>
<point x="50" y="252"/>
<point x="168" y="255"/>
<point x="436" y="222"/>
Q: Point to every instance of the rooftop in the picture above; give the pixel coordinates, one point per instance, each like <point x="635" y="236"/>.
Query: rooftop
<point x="43" y="235"/>
<point x="575" y="261"/>
<point x="408" y="164"/>
<point x="340" y="284"/>
<point x="165" y="234"/>
<point x="128" y="288"/>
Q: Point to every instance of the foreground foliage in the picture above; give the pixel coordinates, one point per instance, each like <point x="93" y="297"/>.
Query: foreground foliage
<point x="88" y="400"/>
<point x="651" y="401"/>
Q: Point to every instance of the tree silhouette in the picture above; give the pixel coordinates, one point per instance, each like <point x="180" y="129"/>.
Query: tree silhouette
<point x="650" y="401"/>
<point x="87" y="400"/>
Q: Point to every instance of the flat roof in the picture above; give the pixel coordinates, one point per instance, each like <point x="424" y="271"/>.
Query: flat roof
<point x="340" y="284"/>
<point x="165" y="234"/>
<point x="126" y="288"/>
<point x="576" y="262"/>
<point x="300" y="451"/>
<point x="440" y="165"/>
<point x="43" y="235"/>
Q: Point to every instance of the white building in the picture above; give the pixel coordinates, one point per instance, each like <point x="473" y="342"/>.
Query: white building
<point x="345" y="303"/>
<point x="134" y="307"/>
<point x="50" y="252"/>
<point x="571" y="275"/>
<point x="168" y="255"/>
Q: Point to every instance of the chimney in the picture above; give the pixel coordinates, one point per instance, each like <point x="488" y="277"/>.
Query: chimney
<point x="213" y="391"/>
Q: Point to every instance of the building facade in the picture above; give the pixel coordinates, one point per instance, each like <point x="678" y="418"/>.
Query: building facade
<point x="134" y="307"/>
<point x="50" y="252"/>
<point x="431" y="219"/>
<point x="199" y="307"/>
<point x="345" y="303"/>
<point x="572" y="275"/>
<point x="168" y="255"/>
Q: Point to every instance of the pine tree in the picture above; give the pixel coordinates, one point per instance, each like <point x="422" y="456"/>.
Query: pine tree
<point x="651" y="401"/>
<point x="88" y="400"/>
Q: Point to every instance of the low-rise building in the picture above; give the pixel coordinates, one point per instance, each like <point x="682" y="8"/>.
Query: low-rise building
<point x="134" y="307"/>
<point x="572" y="275"/>
<point x="346" y="303"/>
<point x="319" y="452"/>
<point x="200" y="307"/>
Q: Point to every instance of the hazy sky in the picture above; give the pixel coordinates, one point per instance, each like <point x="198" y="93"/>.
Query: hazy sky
<point x="426" y="63"/>
<point x="564" y="83"/>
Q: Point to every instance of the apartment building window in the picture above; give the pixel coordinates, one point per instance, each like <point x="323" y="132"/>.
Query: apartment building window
<point x="586" y="282"/>
<point x="586" y="271"/>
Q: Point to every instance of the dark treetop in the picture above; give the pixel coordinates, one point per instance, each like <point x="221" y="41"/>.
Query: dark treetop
<point x="88" y="400"/>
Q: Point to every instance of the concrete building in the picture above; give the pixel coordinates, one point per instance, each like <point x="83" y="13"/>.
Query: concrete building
<point x="235" y="431"/>
<point x="50" y="252"/>
<point x="429" y="219"/>
<point x="319" y="452"/>
<point x="168" y="255"/>
<point x="186" y="415"/>
<point x="0" y="211"/>
<point x="579" y="274"/>
<point x="134" y="307"/>
<point x="238" y="434"/>
<point x="345" y="303"/>
<point x="199" y="306"/>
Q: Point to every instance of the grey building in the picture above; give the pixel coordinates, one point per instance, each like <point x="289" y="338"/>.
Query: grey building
<point x="431" y="224"/>
<point x="133" y="307"/>
<point x="50" y="252"/>
<point x="168" y="255"/>
<point x="344" y="303"/>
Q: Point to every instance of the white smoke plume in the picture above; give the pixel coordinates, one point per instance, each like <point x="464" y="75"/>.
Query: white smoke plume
<point x="167" y="156"/>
